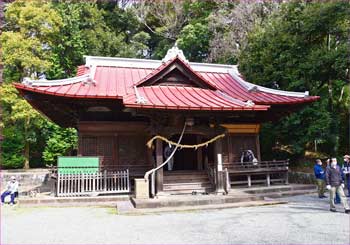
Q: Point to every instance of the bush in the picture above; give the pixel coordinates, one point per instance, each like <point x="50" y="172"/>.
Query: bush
<point x="10" y="161"/>
<point x="60" y="143"/>
<point x="12" y="148"/>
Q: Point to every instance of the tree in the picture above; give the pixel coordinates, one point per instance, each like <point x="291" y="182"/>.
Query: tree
<point x="2" y="25"/>
<point x="19" y="114"/>
<point x="32" y="27"/>
<point x="231" y="24"/>
<point x="304" y="47"/>
<point x="182" y="21"/>
<point x="194" y="41"/>
<point x="30" y="30"/>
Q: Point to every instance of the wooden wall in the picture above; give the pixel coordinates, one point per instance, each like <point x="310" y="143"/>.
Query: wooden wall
<point x="122" y="145"/>
<point x="239" y="137"/>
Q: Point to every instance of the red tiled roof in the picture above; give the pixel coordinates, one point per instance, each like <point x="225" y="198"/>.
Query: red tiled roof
<point x="225" y="82"/>
<point x="174" y="97"/>
<point x="118" y="82"/>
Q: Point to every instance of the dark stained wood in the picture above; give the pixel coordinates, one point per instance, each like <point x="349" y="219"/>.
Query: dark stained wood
<point x="119" y="148"/>
<point x="105" y="146"/>
<point x="159" y="161"/>
<point x="240" y="142"/>
<point x="116" y="127"/>
<point x="200" y="153"/>
<point x="257" y="142"/>
<point x="272" y="170"/>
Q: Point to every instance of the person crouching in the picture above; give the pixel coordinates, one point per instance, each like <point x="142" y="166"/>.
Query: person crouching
<point x="320" y="175"/>
<point x="335" y="184"/>
<point x="12" y="190"/>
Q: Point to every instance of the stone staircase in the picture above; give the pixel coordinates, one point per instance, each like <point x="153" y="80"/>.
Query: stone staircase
<point x="186" y="182"/>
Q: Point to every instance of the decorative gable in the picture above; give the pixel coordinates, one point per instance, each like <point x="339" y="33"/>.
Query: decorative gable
<point x="176" y="72"/>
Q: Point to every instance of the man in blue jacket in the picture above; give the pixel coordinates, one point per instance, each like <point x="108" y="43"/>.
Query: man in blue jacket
<point x="346" y="172"/>
<point x="320" y="175"/>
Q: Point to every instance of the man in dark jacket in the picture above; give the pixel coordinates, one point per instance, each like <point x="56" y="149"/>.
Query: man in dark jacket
<point x="346" y="172"/>
<point x="319" y="174"/>
<point x="335" y="184"/>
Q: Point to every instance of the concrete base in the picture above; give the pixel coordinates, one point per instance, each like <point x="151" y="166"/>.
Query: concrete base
<point x="142" y="211"/>
<point x="176" y="201"/>
<point x="74" y="201"/>
<point x="141" y="189"/>
<point x="234" y="196"/>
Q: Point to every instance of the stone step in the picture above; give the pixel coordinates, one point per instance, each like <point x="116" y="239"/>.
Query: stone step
<point x="286" y="193"/>
<point x="186" y="186"/>
<point x="142" y="211"/>
<point x="183" y="173"/>
<point x="199" y="191"/>
<point x="280" y="189"/>
<point x="193" y="200"/>
<point x="175" y="179"/>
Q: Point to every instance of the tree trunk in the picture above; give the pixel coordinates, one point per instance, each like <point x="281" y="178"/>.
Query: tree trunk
<point x="26" y="155"/>
<point x="26" y="145"/>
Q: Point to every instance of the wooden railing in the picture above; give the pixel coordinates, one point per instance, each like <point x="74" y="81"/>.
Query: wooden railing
<point x="101" y="182"/>
<point x="266" y="168"/>
<point x="283" y="164"/>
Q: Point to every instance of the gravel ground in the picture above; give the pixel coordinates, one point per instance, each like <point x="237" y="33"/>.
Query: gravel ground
<point x="305" y="220"/>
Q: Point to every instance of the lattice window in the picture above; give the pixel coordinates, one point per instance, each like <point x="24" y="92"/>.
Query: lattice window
<point x="132" y="150"/>
<point x="105" y="145"/>
<point x="89" y="146"/>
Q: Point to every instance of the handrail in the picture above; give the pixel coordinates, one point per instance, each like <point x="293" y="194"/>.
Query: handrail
<point x="153" y="170"/>
<point x="260" y="164"/>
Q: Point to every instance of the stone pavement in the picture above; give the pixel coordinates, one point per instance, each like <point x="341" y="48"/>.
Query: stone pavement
<point x="303" y="220"/>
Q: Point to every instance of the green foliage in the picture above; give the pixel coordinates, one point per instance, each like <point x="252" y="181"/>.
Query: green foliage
<point x="296" y="45"/>
<point x="194" y="40"/>
<point x="83" y="32"/>
<point x="304" y="47"/>
<point x="32" y="27"/>
<point x="60" y="143"/>
<point x="12" y="147"/>
<point x="25" y="121"/>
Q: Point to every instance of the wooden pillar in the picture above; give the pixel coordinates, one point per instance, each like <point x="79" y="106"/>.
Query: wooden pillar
<point x="287" y="181"/>
<point x="217" y="151"/>
<point x="80" y="143"/>
<point x="230" y="148"/>
<point x="159" y="161"/>
<point x="199" y="154"/>
<point x="219" y="168"/>
<point x="257" y="141"/>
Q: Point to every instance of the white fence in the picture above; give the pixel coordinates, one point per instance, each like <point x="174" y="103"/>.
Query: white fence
<point x="82" y="184"/>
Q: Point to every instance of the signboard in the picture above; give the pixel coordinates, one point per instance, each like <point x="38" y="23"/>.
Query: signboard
<point x="83" y="165"/>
